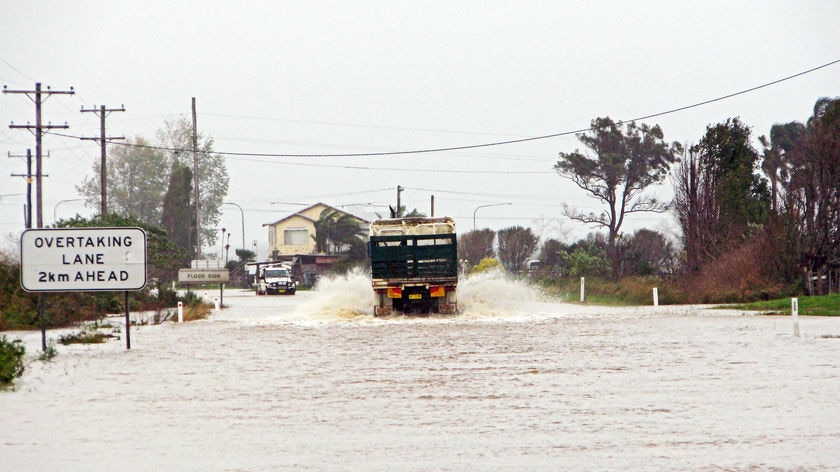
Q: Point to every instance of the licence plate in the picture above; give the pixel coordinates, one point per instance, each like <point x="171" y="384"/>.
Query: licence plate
<point x="415" y="296"/>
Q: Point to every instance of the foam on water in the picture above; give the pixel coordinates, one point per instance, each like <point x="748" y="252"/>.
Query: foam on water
<point x="489" y="295"/>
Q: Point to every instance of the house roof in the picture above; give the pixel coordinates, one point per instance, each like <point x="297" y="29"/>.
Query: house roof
<point x="301" y="215"/>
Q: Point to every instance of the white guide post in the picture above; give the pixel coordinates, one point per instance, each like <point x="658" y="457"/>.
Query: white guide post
<point x="582" y="283"/>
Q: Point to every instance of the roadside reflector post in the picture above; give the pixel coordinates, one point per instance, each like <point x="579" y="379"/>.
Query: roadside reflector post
<point x="180" y="312"/>
<point x="655" y="296"/>
<point x="794" y="311"/>
<point x="216" y="302"/>
<point x="582" y="283"/>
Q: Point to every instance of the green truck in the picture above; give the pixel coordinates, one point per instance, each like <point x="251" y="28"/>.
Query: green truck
<point x="414" y="266"/>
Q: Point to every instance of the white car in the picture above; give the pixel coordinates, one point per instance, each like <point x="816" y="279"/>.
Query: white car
<point x="275" y="280"/>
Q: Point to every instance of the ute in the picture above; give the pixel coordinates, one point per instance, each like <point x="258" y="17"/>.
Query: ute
<point x="414" y="265"/>
<point x="275" y="279"/>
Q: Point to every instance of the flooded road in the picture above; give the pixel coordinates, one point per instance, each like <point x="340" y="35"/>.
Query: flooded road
<point x="313" y="382"/>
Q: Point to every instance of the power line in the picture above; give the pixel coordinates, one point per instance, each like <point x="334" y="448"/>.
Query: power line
<point x="494" y="143"/>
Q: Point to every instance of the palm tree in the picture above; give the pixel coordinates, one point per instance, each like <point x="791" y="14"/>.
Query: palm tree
<point x="336" y="227"/>
<point x="779" y="160"/>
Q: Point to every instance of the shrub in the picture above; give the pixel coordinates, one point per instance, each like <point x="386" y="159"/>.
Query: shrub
<point x="736" y="276"/>
<point x="84" y="336"/>
<point x="11" y="361"/>
<point x="486" y="264"/>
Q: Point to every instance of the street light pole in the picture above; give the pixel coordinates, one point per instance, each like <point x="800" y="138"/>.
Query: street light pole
<point x="55" y="208"/>
<point x="485" y="206"/>
<point x="242" y="213"/>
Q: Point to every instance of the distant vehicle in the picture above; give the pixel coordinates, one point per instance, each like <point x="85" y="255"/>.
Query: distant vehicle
<point x="275" y="279"/>
<point x="414" y="265"/>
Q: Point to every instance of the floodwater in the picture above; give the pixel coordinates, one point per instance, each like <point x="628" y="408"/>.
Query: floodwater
<point x="515" y="382"/>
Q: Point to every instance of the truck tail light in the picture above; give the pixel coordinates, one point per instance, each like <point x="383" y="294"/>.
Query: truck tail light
<point x="436" y="292"/>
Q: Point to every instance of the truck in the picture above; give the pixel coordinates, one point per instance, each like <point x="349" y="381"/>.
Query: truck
<point x="274" y="279"/>
<point x="414" y="265"/>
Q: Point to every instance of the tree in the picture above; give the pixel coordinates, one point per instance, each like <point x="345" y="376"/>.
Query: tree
<point x="335" y="228"/>
<point x="213" y="179"/>
<point x="137" y="175"/>
<point x="813" y="198"/>
<point x="415" y="213"/>
<point x="245" y="255"/>
<point x="623" y="164"/>
<point x="178" y="217"/>
<point x="516" y="244"/>
<point x="476" y="245"/>
<point x="775" y="164"/>
<point x="719" y="197"/>
<point x="551" y="256"/>
<point x="647" y="252"/>
<point x="587" y="261"/>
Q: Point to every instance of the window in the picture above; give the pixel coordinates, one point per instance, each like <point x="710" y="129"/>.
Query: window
<point x="276" y="273"/>
<point x="296" y="237"/>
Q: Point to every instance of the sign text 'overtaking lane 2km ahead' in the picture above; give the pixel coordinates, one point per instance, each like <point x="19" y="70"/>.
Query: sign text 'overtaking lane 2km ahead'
<point x="83" y="259"/>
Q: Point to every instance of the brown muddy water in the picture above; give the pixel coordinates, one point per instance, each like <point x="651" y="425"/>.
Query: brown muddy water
<point x="515" y="382"/>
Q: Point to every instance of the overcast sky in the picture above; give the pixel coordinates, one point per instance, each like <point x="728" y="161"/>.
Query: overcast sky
<point x="312" y="78"/>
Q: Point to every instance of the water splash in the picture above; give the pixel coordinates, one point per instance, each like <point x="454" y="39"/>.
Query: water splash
<point x="491" y="294"/>
<point x="494" y="294"/>
<point x="345" y="296"/>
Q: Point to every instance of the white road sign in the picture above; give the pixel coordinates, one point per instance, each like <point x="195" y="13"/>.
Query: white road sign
<point x="83" y="259"/>
<point x="203" y="276"/>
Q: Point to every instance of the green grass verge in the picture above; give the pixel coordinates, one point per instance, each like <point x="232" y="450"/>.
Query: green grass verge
<point x="826" y="305"/>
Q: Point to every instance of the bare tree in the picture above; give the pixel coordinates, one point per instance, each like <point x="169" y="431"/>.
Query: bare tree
<point x="516" y="245"/>
<point x="476" y="245"/>
<point x="620" y="166"/>
<point x="813" y="199"/>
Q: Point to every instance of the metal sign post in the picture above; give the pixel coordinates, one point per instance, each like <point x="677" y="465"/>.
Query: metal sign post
<point x="202" y="273"/>
<point x="83" y="259"/>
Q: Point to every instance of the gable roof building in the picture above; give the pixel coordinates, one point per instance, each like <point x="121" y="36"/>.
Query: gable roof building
<point x="295" y="233"/>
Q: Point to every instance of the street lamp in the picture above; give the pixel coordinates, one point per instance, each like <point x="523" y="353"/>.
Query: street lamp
<point x="55" y="208"/>
<point x="485" y="206"/>
<point x="242" y="213"/>
<point x="223" y="242"/>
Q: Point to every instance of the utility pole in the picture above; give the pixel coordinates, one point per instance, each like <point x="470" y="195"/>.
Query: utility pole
<point x="399" y="206"/>
<point x="28" y="175"/>
<point x="37" y="96"/>
<point x="102" y="112"/>
<point x="195" y="178"/>
<point x="39" y="132"/>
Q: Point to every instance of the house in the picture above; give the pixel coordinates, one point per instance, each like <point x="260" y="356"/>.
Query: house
<point x="295" y="234"/>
